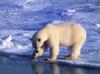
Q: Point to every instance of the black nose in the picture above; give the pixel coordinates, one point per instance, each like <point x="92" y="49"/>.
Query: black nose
<point x="36" y="51"/>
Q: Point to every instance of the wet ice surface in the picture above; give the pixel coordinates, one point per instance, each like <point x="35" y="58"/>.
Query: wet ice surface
<point x="26" y="66"/>
<point x="19" y="21"/>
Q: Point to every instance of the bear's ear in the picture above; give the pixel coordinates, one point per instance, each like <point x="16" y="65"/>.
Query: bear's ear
<point x="30" y="39"/>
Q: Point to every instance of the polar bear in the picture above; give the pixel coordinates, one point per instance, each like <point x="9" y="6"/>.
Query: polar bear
<point x="71" y="35"/>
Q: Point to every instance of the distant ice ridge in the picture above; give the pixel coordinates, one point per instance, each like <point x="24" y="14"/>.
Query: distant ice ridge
<point x="35" y="5"/>
<point x="29" y="1"/>
<point x="7" y="45"/>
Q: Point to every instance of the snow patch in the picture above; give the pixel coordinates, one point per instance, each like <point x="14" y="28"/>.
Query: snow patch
<point x="71" y="10"/>
<point x="18" y="46"/>
<point x="68" y="12"/>
<point x="98" y="25"/>
<point x="7" y="43"/>
<point x="57" y="21"/>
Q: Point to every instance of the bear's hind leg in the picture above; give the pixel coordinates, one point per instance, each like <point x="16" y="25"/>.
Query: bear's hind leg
<point x="76" y="49"/>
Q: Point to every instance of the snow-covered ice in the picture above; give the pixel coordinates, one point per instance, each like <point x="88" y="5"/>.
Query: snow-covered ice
<point x="7" y="42"/>
<point x="20" y="19"/>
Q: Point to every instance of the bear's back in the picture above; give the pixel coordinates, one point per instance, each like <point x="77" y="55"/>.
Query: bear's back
<point x="68" y="33"/>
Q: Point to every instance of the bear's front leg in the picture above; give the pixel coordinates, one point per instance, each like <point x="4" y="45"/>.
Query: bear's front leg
<point x="54" y="51"/>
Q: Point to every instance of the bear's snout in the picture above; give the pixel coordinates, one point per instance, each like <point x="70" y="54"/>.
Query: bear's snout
<point x="36" y="51"/>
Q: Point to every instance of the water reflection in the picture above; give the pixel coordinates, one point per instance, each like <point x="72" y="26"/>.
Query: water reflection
<point x="21" y="66"/>
<point x="37" y="68"/>
<point x="54" y="68"/>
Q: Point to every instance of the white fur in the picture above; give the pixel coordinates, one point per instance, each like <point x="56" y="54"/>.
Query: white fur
<point x="71" y="35"/>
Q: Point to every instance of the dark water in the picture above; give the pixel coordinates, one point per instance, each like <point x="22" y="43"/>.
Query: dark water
<point x="12" y="66"/>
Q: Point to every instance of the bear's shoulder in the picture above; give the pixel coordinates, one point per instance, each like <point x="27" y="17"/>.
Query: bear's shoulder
<point x="49" y="26"/>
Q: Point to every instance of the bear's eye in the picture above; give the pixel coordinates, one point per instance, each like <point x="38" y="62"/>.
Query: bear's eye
<point x="38" y="39"/>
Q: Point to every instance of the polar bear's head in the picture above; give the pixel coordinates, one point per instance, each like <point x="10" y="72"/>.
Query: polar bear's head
<point x="39" y="42"/>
